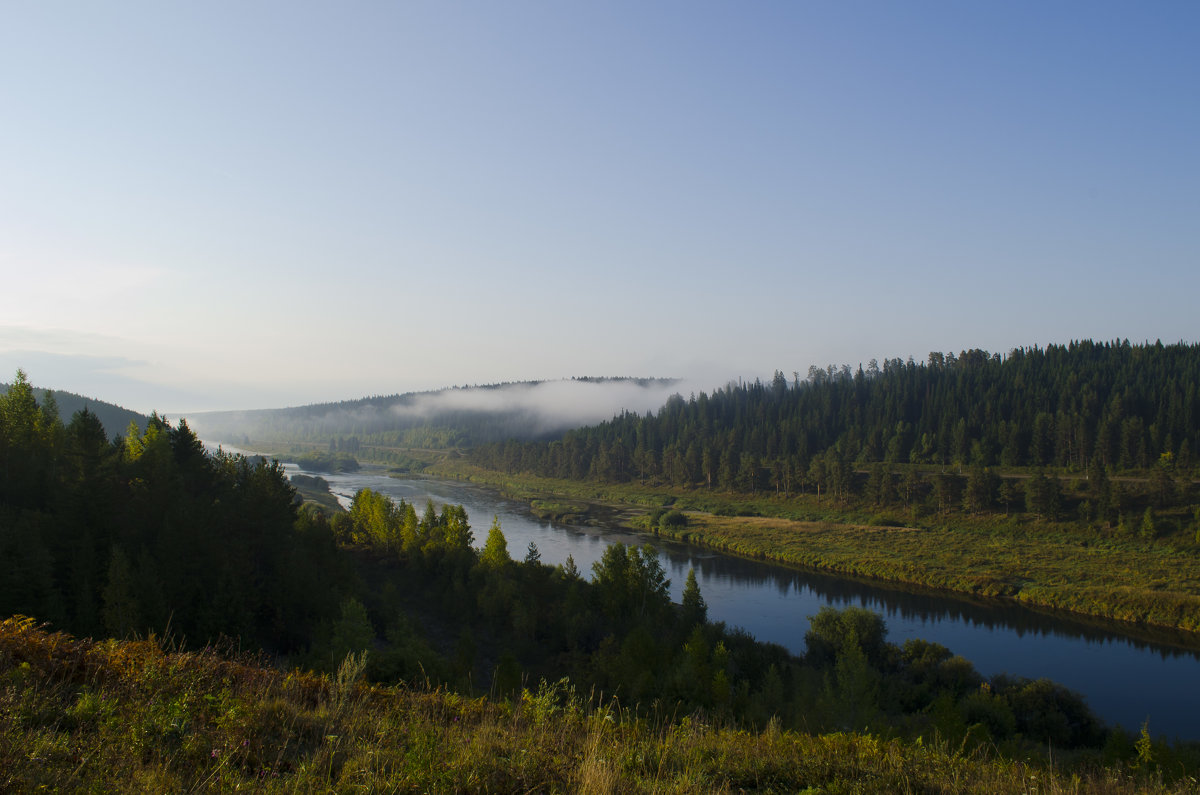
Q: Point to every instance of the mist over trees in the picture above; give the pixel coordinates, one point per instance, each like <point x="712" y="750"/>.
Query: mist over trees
<point x="453" y="417"/>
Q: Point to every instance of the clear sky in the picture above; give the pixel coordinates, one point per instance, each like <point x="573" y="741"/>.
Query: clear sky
<point x="254" y="204"/>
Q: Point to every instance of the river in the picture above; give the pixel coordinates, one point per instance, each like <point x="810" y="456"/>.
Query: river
<point x="1125" y="680"/>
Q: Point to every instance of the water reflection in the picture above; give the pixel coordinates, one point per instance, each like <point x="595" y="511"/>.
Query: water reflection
<point x="1124" y="679"/>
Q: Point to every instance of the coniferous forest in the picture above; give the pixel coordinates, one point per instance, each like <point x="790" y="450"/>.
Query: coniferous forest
<point x="1095" y="409"/>
<point x="149" y="531"/>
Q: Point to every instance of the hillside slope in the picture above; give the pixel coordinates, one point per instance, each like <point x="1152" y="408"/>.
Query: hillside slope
<point x="77" y="715"/>
<point x="451" y="417"/>
<point x="114" y="418"/>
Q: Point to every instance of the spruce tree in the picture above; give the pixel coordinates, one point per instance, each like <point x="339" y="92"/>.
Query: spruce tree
<point x="695" y="611"/>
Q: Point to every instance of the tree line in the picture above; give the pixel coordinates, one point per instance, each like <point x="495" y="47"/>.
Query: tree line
<point x="115" y="419"/>
<point x="1103" y="407"/>
<point x="149" y="532"/>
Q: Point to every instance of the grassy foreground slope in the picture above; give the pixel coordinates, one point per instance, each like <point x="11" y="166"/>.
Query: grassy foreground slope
<point x="77" y="715"/>
<point x="1098" y="573"/>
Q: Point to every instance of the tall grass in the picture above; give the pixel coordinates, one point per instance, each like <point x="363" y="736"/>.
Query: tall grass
<point x="77" y="715"/>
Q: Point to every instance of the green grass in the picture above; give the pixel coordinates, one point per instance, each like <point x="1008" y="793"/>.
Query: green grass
<point x="559" y="511"/>
<point x="111" y="716"/>
<point x="1092" y="572"/>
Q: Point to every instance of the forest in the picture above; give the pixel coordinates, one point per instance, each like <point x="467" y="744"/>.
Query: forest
<point x="148" y="531"/>
<point x="935" y="435"/>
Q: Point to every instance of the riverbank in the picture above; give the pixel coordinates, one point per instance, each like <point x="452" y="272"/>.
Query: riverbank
<point x="1048" y="565"/>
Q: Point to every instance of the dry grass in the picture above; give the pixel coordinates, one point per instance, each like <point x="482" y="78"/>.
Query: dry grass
<point x="133" y="717"/>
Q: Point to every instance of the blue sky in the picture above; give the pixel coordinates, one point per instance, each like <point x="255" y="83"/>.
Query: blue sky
<point x="236" y="205"/>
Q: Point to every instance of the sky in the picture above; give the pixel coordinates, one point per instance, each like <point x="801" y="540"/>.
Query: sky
<point x="231" y="205"/>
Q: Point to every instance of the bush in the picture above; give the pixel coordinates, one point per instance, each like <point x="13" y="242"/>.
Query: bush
<point x="831" y="630"/>
<point x="993" y="713"/>
<point x="1047" y="712"/>
<point x="672" y="520"/>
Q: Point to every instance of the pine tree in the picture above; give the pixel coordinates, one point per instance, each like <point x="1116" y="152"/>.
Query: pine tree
<point x="570" y="570"/>
<point x="695" y="611"/>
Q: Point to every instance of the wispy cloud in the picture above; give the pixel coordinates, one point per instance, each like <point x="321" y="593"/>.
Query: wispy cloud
<point x="554" y="404"/>
<point x="521" y="409"/>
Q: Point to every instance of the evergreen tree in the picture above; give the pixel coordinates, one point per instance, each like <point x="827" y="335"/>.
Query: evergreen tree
<point x="570" y="571"/>
<point x="695" y="611"/>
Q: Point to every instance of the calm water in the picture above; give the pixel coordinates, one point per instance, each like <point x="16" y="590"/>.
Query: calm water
<point x="1124" y="680"/>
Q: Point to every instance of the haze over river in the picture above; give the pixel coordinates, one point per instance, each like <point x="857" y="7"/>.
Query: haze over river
<point x="1124" y="680"/>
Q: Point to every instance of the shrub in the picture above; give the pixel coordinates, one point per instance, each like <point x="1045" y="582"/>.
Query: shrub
<point x="672" y="520"/>
<point x="831" y="630"/>
<point x="984" y="708"/>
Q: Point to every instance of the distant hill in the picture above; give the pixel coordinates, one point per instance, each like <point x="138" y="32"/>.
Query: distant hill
<point x="451" y="417"/>
<point x="114" y="418"/>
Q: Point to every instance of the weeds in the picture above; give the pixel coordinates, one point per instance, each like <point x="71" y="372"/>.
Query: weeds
<point x="348" y="674"/>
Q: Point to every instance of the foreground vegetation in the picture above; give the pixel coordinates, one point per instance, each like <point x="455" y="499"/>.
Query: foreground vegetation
<point x="131" y="716"/>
